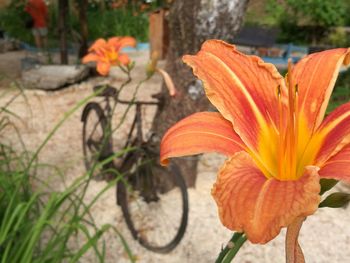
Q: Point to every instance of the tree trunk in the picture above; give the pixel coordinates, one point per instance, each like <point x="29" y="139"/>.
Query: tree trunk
<point x="102" y="5"/>
<point x="190" y="24"/>
<point x="83" y="28"/>
<point x="62" y="27"/>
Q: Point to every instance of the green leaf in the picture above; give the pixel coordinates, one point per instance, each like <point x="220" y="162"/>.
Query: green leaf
<point x="327" y="184"/>
<point x="336" y="200"/>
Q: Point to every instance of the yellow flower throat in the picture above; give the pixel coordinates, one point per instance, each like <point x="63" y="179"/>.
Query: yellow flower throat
<point x="111" y="56"/>
<point x="288" y="139"/>
<point x="285" y="150"/>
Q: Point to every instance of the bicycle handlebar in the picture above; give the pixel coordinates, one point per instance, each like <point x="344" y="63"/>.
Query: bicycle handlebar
<point x="140" y="102"/>
<point x="110" y="91"/>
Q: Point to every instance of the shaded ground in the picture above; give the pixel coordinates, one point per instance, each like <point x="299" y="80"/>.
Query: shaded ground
<point x="325" y="236"/>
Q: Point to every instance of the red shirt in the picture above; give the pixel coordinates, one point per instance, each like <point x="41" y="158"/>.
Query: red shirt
<point x="38" y="10"/>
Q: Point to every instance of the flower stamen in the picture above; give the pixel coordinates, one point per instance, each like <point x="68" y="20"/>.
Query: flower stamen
<point x="280" y="127"/>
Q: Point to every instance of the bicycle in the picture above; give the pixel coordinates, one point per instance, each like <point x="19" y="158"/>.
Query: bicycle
<point x="150" y="188"/>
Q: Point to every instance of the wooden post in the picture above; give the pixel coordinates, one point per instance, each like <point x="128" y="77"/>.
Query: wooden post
<point x="83" y="28"/>
<point x="62" y="27"/>
<point x="158" y="33"/>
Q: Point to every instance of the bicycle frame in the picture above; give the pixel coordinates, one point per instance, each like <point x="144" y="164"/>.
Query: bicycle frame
<point x="140" y="169"/>
<point x="111" y="93"/>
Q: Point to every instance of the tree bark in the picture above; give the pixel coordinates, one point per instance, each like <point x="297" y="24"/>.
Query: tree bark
<point x="62" y="27"/>
<point x="190" y="24"/>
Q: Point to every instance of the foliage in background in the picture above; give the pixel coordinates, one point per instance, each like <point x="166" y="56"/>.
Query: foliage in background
<point x="338" y="38"/>
<point x="119" y="22"/>
<point x="301" y="21"/>
<point x="309" y="21"/>
<point x="301" y="12"/>
<point x="12" y="20"/>
<point x="37" y="222"/>
<point x="309" y="12"/>
<point x="257" y="14"/>
<point x="135" y="5"/>
<point x="341" y="93"/>
<point x="102" y="23"/>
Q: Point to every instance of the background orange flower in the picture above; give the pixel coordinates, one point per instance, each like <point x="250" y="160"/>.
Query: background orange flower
<point x="107" y="53"/>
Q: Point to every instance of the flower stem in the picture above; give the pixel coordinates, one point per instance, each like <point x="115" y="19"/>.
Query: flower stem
<point x="228" y="253"/>
<point x="294" y="253"/>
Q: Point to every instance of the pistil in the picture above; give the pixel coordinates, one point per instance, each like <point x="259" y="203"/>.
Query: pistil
<point x="288" y="137"/>
<point x="281" y="133"/>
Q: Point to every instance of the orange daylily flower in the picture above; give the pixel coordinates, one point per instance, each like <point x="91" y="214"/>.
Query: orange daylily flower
<point x="273" y="132"/>
<point x="107" y="53"/>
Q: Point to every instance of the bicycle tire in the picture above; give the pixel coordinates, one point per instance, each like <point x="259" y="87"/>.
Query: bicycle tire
<point x="137" y="225"/>
<point x="95" y="150"/>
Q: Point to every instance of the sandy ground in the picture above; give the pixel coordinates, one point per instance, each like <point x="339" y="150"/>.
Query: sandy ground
<point x="325" y="236"/>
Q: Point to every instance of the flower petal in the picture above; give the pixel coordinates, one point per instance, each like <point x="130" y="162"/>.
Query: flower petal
<point x="243" y="88"/>
<point x="120" y="42"/>
<point x="90" y="58"/>
<point x="338" y="167"/>
<point x="315" y="76"/>
<point x="113" y="41"/>
<point x="99" y="43"/>
<point x="103" y="68"/>
<point x="260" y="207"/>
<point x="198" y="133"/>
<point x="334" y="133"/>
<point x="123" y="59"/>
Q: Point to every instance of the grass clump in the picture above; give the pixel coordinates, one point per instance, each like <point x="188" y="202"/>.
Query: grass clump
<point x="37" y="222"/>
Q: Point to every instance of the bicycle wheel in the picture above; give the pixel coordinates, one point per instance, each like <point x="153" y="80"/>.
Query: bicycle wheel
<point x="154" y="204"/>
<point x="96" y="146"/>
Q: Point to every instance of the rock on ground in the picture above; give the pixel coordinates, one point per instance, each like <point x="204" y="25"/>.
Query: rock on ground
<point x="51" y="77"/>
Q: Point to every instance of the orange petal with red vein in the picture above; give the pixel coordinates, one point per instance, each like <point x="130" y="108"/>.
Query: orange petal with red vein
<point x="338" y="167"/>
<point x="260" y="207"/>
<point x="99" y="43"/>
<point x="334" y="133"/>
<point x="243" y="88"/>
<point x="198" y="133"/>
<point x="315" y="76"/>
<point x="103" y="68"/>
<point x="90" y="58"/>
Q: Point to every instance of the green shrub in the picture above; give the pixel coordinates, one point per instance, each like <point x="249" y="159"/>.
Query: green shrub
<point x="338" y="38"/>
<point x="341" y="93"/>
<point x="120" y="22"/>
<point x="101" y="23"/>
<point x="300" y="21"/>
<point x="12" y="20"/>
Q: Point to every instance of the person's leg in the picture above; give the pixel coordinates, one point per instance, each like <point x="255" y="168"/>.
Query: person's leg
<point x="43" y="33"/>
<point x="37" y="38"/>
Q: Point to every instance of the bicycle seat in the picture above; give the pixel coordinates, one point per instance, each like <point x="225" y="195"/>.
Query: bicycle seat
<point x="158" y="96"/>
<point x="108" y="91"/>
